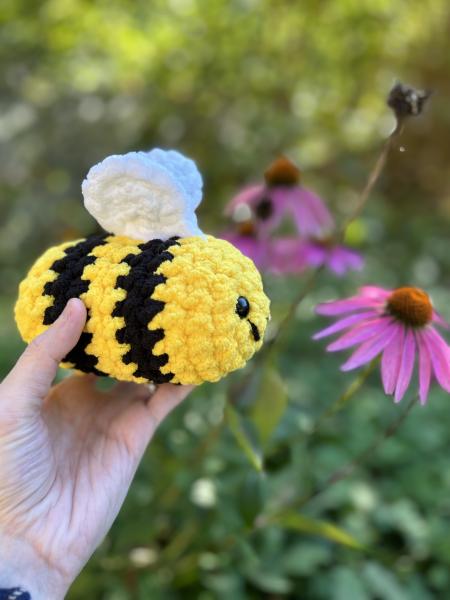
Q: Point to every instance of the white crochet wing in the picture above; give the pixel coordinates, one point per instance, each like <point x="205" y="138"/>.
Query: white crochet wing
<point x="145" y="195"/>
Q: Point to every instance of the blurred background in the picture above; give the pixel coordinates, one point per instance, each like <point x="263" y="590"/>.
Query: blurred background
<point x="232" y="83"/>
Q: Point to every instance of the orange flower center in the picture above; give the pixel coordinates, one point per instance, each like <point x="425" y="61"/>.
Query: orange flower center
<point x="282" y="172"/>
<point x="410" y="305"/>
<point x="246" y="228"/>
<point x="325" y="242"/>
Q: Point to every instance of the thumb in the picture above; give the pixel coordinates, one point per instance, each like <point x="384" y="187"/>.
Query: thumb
<point x="30" y="380"/>
<point x="140" y="420"/>
<point x="165" y="399"/>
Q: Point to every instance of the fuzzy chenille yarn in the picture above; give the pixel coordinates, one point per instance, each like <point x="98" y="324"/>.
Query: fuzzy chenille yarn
<point x="162" y="308"/>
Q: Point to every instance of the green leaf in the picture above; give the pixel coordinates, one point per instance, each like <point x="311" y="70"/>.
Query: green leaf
<point x="307" y="556"/>
<point x="252" y="496"/>
<point x="350" y="391"/>
<point x="272" y="583"/>
<point x="270" y="404"/>
<point x="237" y="427"/>
<point x="347" y="584"/>
<point x="303" y="524"/>
<point x="383" y="583"/>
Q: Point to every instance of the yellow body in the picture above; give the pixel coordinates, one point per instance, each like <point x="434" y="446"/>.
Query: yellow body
<point x="204" y="337"/>
<point x="32" y="303"/>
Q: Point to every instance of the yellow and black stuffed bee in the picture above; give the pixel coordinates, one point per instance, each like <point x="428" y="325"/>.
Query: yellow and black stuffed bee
<point x="165" y="302"/>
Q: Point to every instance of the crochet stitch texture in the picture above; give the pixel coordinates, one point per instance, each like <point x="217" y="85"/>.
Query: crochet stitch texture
<point x="157" y="311"/>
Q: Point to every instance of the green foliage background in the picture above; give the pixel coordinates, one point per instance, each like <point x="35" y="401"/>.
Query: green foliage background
<point x="232" y="83"/>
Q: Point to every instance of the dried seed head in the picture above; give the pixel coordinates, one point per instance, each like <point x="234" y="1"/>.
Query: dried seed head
<point x="407" y="101"/>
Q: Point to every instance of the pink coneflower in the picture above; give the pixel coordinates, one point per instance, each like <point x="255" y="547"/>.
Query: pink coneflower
<point x="279" y="256"/>
<point x="337" y="258"/>
<point x="281" y="195"/>
<point x="288" y="255"/>
<point x="258" y="210"/>
<point x="294" y="255"/>
<point x="397" y="324"/>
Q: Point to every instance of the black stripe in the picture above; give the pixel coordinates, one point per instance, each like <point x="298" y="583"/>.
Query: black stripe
<point x="138" y="309"/>
<point x="68" y="285"/>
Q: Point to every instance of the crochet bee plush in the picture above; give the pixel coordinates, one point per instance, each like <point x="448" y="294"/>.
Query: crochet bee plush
<point x="165" y="302"/>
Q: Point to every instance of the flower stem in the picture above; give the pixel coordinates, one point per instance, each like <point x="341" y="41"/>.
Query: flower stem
<point x="346" y="396"/>
<point x="374" y="175"/>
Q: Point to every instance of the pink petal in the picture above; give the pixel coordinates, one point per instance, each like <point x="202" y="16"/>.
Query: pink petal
<point x="310" y="214"/>
<point x="361" y="333"/>
<point x="249" y="195"/>
<point x="287" y="256"/>
<point x="354" y="259"/>
<point x="437" y="318"/>
<point x="370" y="349"/>
<point x="343" y="324"/>
<point x="440" y="357"/>
<point x="406" y="365"/>
<point x="314" y="254"/>
<point x="424" y="369"/>
<point x="341" y="259"/>
<point x="390" y="362"/>
<point x="374" y="292"/>
<point x="257" y="250"/>
<point x="336" y="262"/>
<point x="318" y="208"/>
<point x="339" y="307"/>
<point x="279" y="197"/>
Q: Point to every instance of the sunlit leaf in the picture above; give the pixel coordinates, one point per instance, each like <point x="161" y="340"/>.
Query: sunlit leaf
<point x="236" y="425"/>
<point x="303" y="524"/>
<point x="269" y="405"/>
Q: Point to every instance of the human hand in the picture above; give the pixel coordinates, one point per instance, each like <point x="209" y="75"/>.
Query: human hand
<point x="67" y="458"/>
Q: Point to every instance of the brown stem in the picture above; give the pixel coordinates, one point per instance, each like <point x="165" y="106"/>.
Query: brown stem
<point x="374" y="175"/>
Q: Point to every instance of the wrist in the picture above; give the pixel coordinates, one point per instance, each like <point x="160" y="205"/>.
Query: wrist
<point x="21" y="566"/>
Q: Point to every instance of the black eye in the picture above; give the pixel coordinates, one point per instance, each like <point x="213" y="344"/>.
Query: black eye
<point x="242" y="307"/>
